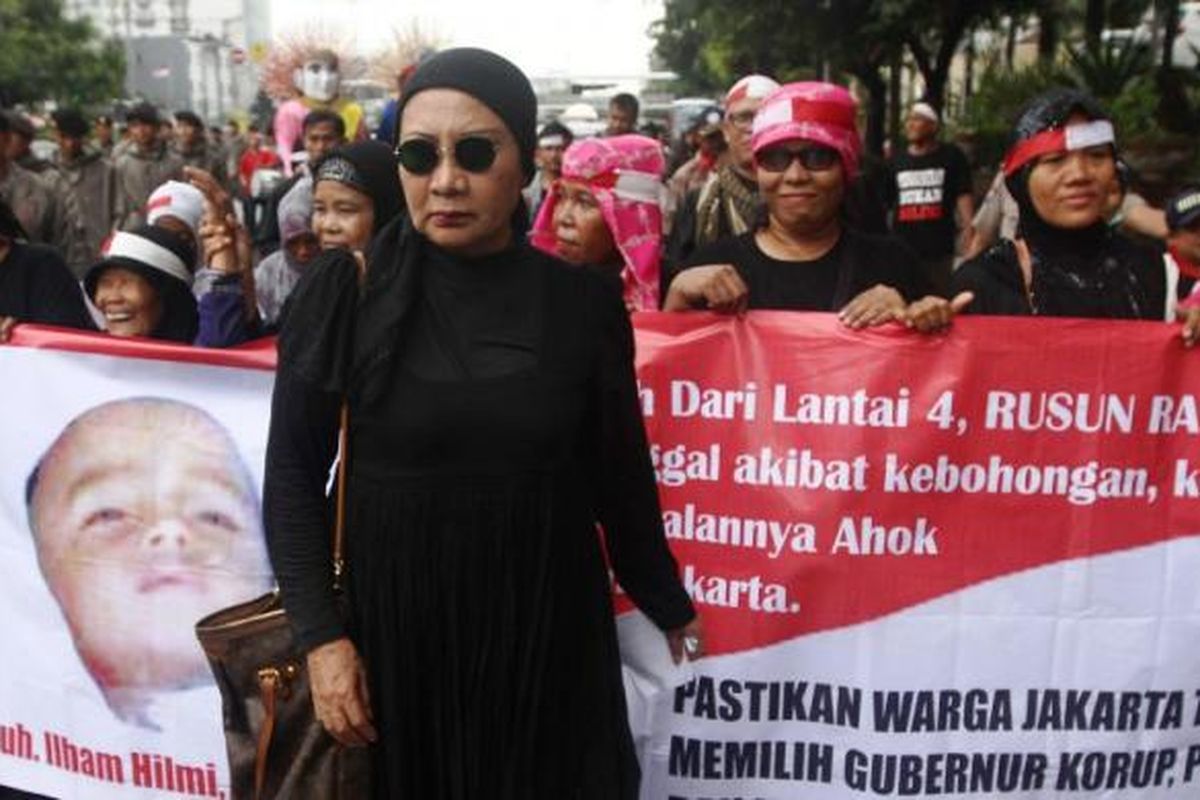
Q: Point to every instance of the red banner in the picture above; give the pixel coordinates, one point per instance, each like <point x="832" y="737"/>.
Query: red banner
<point x="960" y="564"/>
<point x="819" y="477"/>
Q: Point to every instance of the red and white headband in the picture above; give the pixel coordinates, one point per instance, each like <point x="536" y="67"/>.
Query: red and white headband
<point x="140" y="249"/>
<point x="638" y="187"/>
<point x="755" y="87"/>
<point x="1059" y="140"/>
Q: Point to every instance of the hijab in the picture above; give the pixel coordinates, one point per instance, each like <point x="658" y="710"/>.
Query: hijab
<point x="368" y="167"/>
<point x="624" y="173"/>
<point x="343" y="338"/>
<point x="1078" y="272"/>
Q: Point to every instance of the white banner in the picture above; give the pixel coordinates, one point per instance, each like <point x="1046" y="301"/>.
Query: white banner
<point x="129" y="508"/>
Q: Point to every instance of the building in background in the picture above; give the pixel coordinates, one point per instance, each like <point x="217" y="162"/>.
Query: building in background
<point x="201" y="55"/>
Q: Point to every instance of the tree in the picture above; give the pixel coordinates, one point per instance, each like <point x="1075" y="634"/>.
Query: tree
<point x="708" y="43"/>
<point x="680" y="43"/>
<point x="1094" y="18"/>
<point x="405" y="48"/>
<point x="44" y="56"/>
<point x="1050" y="20"/>
<point x="933" y="34"/>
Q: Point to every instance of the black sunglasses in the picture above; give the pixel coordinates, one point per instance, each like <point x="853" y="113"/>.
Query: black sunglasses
<point x="813" y="159"/>
<point x="472" y="153"/>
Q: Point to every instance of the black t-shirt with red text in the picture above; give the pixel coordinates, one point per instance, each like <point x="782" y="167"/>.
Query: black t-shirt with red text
<point x="926" y="189"/>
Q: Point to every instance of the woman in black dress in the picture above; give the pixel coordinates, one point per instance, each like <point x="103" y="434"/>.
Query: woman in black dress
<point x="494" y="422"/>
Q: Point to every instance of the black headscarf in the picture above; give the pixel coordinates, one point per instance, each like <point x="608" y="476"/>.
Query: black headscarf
<point x="343" y="338"/>
<point x="369" y="167"/>
<point x="10" y="226"/>
<point x="492" y="80"/>
<point x="1077" y="272"/>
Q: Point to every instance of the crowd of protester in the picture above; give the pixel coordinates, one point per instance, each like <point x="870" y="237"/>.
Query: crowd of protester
<point x="768" y="201"/>
<point x="175" y="230"/>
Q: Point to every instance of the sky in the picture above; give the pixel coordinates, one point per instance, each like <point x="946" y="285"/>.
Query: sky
<point x="544" y="37"/>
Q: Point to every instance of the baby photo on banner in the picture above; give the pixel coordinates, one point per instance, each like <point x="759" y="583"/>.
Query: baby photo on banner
<point x="129" y="509"/>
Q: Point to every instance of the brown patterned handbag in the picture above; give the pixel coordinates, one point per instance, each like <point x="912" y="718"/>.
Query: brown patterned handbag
<point x="278" y="750"/>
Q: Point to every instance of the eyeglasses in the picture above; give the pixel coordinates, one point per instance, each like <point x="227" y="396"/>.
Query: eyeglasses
<point x="472" y="153"/>
<point x="813" y="159"/>
<point x="741" y="119"/>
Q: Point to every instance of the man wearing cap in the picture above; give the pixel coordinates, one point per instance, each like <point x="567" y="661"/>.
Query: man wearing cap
<point x="45" y="214"/>
<point x="91" y="181"/>
<point x="705" y="137"/>
<point x="193" y="149"/>
<point x="931" y="194"/>
<point x="727" y="204"/>
<point x="20" y="152"/>
<point x="20" y="145"/>
<point x="143" y="167"/>
<point x="553" y="140"/>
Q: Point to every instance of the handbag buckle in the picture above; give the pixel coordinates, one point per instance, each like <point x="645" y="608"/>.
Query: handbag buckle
<point x="278" y="679"/>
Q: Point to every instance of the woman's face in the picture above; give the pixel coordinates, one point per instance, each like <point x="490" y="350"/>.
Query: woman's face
<point x="342" y="217"/>
<point x="580" y="232"/>
<point x="464" y="212"/>
<point x="130" y="305"/>
<point x="1072" y="189"/>
<point x="303" y="248"/>
<point x="801" y="198"/>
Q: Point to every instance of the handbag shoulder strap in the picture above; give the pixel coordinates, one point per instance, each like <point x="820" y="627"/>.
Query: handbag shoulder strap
<point x="339" y="523"/>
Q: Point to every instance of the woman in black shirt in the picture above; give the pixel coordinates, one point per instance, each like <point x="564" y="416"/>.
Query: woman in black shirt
<point x="1065" y="260"/>
<point x="804" y="257"/>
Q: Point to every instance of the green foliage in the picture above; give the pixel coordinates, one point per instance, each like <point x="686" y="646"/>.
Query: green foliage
<point x="999" y="100"/>
<point x="1106" y="69"/>
<point x="46" y="57"/>
<point x="710" y="43"/>
<point x="1135" y="110"/>
<point x="1002" y="95"/>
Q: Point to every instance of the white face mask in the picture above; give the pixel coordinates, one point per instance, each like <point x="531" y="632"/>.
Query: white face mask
<point x="318" y="80"/>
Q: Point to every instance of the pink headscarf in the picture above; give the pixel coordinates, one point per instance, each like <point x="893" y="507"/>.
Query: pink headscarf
<point x="819" y="112"/>
<point x="625" y="175"/>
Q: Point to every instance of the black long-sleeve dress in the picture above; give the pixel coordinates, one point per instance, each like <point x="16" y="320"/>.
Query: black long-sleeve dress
<point x="508" y="427"/>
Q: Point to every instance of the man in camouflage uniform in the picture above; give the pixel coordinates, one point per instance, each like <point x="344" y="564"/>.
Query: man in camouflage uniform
<point x="143" y="167"/>
<point x="46" y="215"/>
<point x="193" y="147"/>
<point x="104" y="130"/>
<point x="90" y="177"/>
<point x="20" y="143"/>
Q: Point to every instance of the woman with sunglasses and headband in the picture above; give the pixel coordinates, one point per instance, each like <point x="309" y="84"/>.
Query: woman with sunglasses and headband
<point x="494" y="422"/>
<point x="803" y="256"/>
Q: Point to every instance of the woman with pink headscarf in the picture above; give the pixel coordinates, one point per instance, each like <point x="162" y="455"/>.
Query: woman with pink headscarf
<point x="803" y="255"/>
<point x="606" y="213"/>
